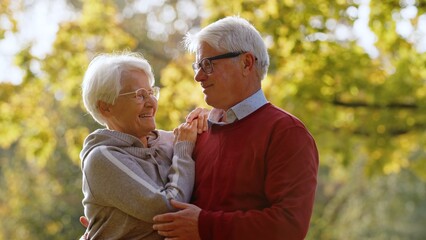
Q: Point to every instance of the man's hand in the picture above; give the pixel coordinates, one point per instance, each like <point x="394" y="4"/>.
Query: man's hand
<point x="201" y="115"/>
<point x="180" y="225"/>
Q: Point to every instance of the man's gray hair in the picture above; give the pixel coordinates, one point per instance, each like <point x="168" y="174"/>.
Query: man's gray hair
<point x="232" y="34"/>
<point x="103" y="79"/>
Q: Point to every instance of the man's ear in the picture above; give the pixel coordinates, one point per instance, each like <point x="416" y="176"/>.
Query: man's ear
<point x="104" y="108"/>
<point x="248" y="61"/>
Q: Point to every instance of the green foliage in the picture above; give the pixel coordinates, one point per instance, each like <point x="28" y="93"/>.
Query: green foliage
<point x="180" y="94"/>
<point x="387" y="207"/>
<point x="366" y="114"/>
<point x="8" y="21"/>
<point x="359" y="109"/>
<point x="44" y="126"/>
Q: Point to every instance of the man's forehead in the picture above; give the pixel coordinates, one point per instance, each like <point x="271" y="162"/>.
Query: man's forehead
<point x="200" y="49"/>
<point x="205" y="50"/>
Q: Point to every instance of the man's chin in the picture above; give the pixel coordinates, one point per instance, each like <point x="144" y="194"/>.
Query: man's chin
<point x="209" y="101"/>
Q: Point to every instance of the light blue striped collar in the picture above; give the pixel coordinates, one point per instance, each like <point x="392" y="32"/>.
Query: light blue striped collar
<point x="240" y="110"/>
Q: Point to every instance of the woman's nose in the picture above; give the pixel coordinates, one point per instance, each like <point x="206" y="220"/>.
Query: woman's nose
<point x="150" y="101"/>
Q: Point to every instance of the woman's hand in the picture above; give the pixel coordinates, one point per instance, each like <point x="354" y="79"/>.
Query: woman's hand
<point x="186" y="132"/>
<point x="201" y="115"/>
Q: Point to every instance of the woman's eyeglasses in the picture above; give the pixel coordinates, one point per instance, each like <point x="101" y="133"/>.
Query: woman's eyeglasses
<point x="141" y="94"/>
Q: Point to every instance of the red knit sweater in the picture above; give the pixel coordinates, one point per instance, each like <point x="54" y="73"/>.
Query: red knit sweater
<point x="256" y="178"/>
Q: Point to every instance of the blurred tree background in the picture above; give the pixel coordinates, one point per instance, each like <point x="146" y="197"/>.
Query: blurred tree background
<point x="352" y="70"/>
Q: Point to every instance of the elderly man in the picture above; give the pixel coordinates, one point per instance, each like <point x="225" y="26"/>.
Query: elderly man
<point x="256" y="166"/>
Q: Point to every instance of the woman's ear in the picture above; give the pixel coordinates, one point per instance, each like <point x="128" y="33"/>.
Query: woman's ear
<point x="104" y="108"/>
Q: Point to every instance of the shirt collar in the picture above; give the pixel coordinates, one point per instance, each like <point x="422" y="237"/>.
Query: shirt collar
<point x="240" y="110"/>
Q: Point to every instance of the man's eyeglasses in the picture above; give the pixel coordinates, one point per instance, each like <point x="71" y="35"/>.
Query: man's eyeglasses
<point x="206" y="63"/>
<point x="141" y="94"/>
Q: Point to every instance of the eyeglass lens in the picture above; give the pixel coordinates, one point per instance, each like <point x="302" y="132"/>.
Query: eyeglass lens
<point x="206" y="64"/>
<point x="144" y="94"/>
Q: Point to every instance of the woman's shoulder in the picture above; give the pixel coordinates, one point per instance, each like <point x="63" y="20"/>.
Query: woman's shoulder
<point x="165" y="136"/>
<point x="164" y="142"/>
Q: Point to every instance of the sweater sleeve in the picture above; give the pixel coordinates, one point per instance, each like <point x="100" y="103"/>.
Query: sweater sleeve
<point x="181" y="175"/>
<point x="115" y="179"/>
<point x="289" y="187"/>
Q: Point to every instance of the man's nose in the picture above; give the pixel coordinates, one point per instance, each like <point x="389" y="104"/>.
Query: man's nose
<point x="200" y="75"/>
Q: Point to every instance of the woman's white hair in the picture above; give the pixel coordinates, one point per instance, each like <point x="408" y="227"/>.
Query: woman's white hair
<point x="103" y="79"/>
<point x="232" y="34"/>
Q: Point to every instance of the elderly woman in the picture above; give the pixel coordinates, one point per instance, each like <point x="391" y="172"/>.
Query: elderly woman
<point x="130" y="170"/>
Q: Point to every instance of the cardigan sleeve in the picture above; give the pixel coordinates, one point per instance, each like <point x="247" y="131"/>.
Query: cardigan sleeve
<point x="115" y="179"/>
<point x="289" y="187"/>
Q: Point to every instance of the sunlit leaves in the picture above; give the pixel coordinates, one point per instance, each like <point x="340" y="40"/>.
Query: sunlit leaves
<point x="180" y="94"/>
<point x="366" y="114"/>
<point x="10" y="129"/>
<point x="333" y="84"/>
<point x="78" y="42"/>
<point x="74" y="140"/>
<point x="7" y="18"/>
<point x="44" y="125"/>
<point x="359" y="86"/>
